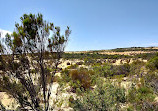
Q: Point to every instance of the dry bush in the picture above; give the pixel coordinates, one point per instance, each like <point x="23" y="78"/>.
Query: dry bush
<point x="82" y="76"/>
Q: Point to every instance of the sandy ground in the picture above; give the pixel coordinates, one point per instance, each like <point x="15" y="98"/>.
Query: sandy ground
<point x="126" y="53"/>
<point x="7" y="101"/>
<point x="63" y="98"/>
<point x="156" y="99"/>
<point x="64" y="65"/>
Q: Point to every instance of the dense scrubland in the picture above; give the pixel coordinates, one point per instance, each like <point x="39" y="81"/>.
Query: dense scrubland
<point x="105" y="86"/>
<point x="94" y="82"/>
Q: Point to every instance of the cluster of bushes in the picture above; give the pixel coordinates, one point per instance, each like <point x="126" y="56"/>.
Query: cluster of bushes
<point x="142" y="95"/>
<point x="82" y="77"/>
<point x="146" y="56"/>
<point x="153" y="63"/>
<point x="77" y="78"/>
<point x="97" y="92"/>
<point x="151" y="80"/>
<point x="93" y="56"/>
<point x="108" y="70"/>
<point x="105" y="97"/>
<point x="142" y="98"/>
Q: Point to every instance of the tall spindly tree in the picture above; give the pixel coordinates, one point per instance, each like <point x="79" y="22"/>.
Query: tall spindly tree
<point x="26" y="57"/>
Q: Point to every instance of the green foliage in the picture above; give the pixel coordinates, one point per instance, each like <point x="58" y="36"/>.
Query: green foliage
<point x="104" y="70"/>
<point x="137" y="68"/>
<point x="153" y="63"/>
<point x="146" y="56"/>
<point x="151" y="80"/>
<point x="104" y="97"/>
<point x="141" y="98"/>
<point x="72" y="66"/>
<point x="122" y="69"/>
<point x="89" y="61"/>
<point x="92" y="56"/>
<point x="108" y="70"/>
<point x="118" y="77"/>
<point x="26" y="63"/>
<point x="65" y="78"/>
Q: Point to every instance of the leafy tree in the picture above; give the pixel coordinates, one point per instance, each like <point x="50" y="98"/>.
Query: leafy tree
<point x="25" y="57"/>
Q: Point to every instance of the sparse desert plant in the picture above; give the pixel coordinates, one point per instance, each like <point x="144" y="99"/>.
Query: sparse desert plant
<point x="77" y="78"/>
<point x="65" y="78"/>
<point x="72" y="66"/>
<point x="80" y="78"/>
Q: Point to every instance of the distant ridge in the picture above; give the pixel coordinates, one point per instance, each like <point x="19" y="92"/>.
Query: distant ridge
<point x="151" y="48"/>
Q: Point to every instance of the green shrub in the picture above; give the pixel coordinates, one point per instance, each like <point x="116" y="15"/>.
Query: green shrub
<point x="130" y="108"/>
<point x="108" y="70"/>
<point x="77" y="78"/>
<point x="72" y="66"/>
<point x="33" y="71"/>
<point x="137" y="68"/>
<point x="104" y="70"/>
<point x="64" y="77"/>
<point x="146" y="56"/>
<point x="153" y="63"/>
<point x="118" y="77"/>
<point x="122" y="69"/>
<point x="84" y="56"/>
<point x="89" y="61"/>
<point x="141" y="98"/>
<point x="151" y="80"/>
<point x="105" y="97"/>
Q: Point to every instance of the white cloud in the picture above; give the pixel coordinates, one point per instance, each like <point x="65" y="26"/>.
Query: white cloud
<point x="4" y="32"/>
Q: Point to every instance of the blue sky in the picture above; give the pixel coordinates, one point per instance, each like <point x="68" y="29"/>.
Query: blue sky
<point x="95" y="24"/>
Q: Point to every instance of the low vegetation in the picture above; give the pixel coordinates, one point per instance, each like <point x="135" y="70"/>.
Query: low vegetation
<point x="103" y="89"/>
<point x="92" y="55"/>
<point x="29" y="69"/>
